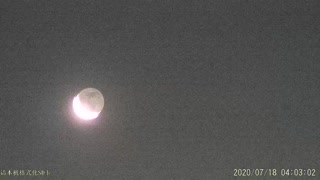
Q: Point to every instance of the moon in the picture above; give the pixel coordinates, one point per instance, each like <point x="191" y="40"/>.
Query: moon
<point x="88" y="104"/>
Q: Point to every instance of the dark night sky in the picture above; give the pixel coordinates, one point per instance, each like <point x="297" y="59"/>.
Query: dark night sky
<point x="193" y="89"/>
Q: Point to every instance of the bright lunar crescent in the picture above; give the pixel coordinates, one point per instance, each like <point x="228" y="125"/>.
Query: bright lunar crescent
<point x="88" y="103"/>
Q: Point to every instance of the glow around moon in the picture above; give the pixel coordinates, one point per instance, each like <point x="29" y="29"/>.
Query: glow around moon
<point x="88" y="104"/>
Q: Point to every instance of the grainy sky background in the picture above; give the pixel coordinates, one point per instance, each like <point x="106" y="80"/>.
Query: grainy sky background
<point x="193" y="89"/>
